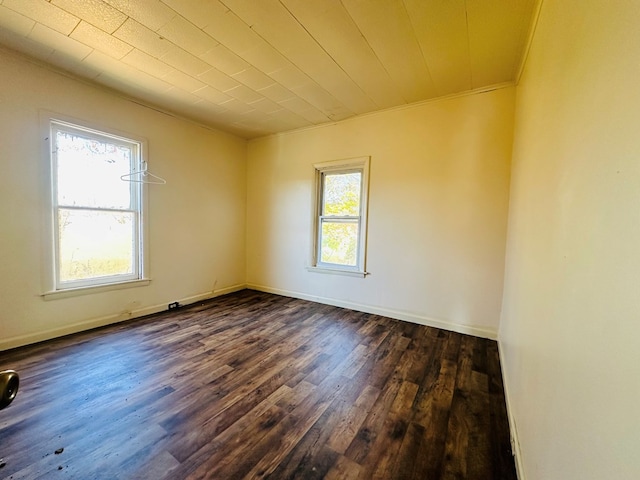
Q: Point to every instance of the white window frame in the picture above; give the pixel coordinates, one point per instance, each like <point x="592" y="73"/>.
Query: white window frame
<point x="53" y="286"/>
<point x="361" y="165"/>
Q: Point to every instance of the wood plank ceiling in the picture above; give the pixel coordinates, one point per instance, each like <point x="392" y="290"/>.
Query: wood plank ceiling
<point x="255" y="67"/>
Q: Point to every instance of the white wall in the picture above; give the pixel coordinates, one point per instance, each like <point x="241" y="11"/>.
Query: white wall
<point x="437" y="211"/>
<point x="570" y="330"/>
<point x="196" y="221"/>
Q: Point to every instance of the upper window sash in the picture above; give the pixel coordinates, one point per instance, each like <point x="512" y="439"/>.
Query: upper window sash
<point x="118" y="196"/>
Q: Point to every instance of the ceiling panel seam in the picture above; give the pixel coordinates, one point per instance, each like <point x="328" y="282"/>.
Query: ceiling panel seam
<point x="329" y="114"/>
<point x="373" y="50"/>
<point x="275" y="81"/>
<point x="466" y="19"/>
<point x="424" y="58"/>
<point x="162" y="58"/>
<point x="325" y="51"/>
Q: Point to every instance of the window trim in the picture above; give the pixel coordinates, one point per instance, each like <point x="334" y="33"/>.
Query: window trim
<point x="52" y="287"/>
<point x="359" y="164"/>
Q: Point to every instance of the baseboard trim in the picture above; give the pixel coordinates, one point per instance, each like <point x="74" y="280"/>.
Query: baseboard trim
<point x="226" y="290"/>
<point x="28" y="339"/>
<point x="31" y="338"/>
<point x="391" y="313"/>
<point x="515" y="442"/>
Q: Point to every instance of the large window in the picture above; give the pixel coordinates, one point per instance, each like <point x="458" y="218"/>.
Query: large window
<point x="340" y="216"/>
<point x="97" y="216"/>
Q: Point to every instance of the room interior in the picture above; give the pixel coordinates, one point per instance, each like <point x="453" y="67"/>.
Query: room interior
<point x="503" y="192"/>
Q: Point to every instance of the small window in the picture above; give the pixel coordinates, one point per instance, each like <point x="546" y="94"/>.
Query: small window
<point x="97" y="217"/>
<point x="340" y="216"/>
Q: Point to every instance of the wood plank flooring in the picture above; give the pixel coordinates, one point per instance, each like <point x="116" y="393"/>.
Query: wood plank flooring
<point x="253" y="385"/>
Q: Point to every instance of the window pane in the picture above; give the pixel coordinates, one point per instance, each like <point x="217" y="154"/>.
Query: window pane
<point x="341" y="194"/>
<point x="339" y="242"/>
<point x="89" y="172"/>
<point x="95" y="244"/>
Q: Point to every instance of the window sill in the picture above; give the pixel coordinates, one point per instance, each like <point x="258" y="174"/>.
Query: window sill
<point x="74" y="292"/>
<point x="337" y="271"/>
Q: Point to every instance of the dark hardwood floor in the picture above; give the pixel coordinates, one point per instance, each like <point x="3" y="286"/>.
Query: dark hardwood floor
<point x="253" y="385"/>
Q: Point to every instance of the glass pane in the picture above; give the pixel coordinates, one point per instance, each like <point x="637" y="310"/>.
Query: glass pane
<point x="89" y="172"/>
<point x="95" y="244"/>
<point x="341" y="194"/>
<point x="339" y="243"/>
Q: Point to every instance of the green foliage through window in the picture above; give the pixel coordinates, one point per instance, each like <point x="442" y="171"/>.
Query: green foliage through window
<point x="342" y="194"/>
<point x="340" y="218"/>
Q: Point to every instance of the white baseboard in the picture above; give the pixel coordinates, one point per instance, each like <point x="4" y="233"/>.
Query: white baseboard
<point x="27" y="339"/>
<point x="515" y="442"/>
<point x="397" y="314"/>
<point x="6" y="344"/>
<point x="226" y="290"/>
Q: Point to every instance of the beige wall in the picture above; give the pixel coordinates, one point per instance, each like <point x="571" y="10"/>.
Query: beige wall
<point x="570" y="330"/>
<point x="196" y="221"/>
<point x="437" y="211"/>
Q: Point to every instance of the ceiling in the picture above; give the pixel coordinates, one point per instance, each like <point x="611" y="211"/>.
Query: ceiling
<point x="256" y="67"/>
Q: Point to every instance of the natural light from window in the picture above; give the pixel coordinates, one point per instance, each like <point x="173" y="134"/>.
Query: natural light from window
<point x="97" y="217"/>
<point x="341" y="220"/>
